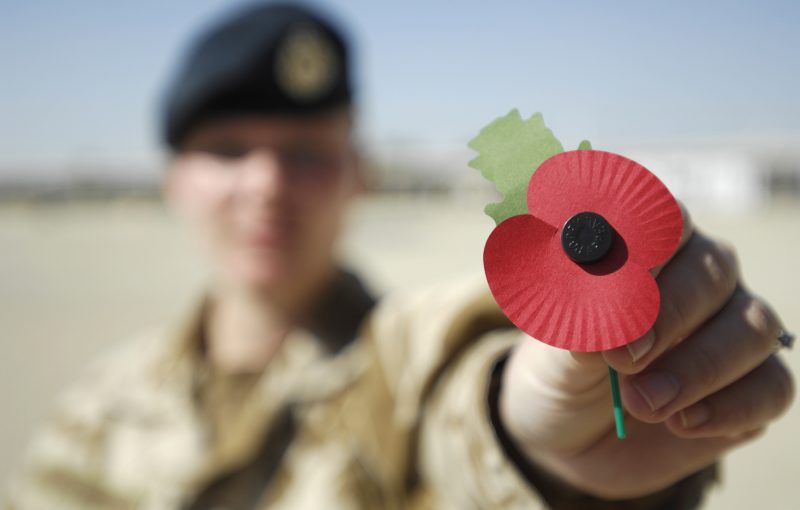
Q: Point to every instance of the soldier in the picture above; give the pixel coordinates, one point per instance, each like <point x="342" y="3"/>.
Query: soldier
<point x="289" y="386"/>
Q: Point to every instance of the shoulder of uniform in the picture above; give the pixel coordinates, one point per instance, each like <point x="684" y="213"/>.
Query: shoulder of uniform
<point x="115" y="379"/>
<point x="435" y="304"/>
<point x="416" y="333"/>
<point x="131" y="357"/>
<point x="83" y="440"/>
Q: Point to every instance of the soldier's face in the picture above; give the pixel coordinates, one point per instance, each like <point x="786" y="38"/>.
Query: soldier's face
<point x="267" y="195"/>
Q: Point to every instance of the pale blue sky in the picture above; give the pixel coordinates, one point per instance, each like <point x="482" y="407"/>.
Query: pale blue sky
<point x="80" y="79"/>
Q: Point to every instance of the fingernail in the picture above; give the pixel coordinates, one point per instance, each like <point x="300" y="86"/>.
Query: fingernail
<point x="641" y="347"/>
<point x="695" y="415"/>
<point x="657" y="388"/>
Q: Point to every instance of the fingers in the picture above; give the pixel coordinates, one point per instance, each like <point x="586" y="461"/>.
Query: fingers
<point x="633" y="352"/>
<point x="747" y="405"/>
<point x="696" y="283"/>
<point x="658" y="456"/>
<point x="729" y="346"/>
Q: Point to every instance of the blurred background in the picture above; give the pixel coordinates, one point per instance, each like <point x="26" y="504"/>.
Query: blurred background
<point x="705" y="94"/>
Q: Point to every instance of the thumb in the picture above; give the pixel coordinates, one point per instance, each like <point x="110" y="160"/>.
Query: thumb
<point x="555" y="399"/>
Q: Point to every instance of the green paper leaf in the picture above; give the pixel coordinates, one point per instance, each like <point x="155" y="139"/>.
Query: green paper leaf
<point x="585" y="145"/>
<point x="509" y="151"/>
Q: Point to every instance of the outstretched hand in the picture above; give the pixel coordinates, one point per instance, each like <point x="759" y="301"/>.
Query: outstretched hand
<point x="703" y="380"/>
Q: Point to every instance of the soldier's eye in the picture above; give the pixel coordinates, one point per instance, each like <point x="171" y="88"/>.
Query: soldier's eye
<point x="304" y="158"/>
<point x="309" y="163"/>
<point x="226" y="151"/>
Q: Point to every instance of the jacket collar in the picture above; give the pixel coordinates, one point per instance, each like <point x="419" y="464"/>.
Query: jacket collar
<point x="334" y="324"/>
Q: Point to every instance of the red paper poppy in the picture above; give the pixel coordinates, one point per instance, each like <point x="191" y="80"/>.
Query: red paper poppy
<point x="540" y="266"/>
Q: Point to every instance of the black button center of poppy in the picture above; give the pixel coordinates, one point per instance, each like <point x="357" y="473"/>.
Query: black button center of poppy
<point x="586" y="237"/>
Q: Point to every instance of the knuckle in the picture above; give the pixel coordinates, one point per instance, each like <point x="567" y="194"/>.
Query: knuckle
<point x="729" y="252"/>
<point x="761" y="321"/>
<point x="722" y="265"/>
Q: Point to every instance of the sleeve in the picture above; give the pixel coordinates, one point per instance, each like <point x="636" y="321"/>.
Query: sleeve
<point x="436" y="348"/>
<point x="442" y="351"/>
<point x="63" y="469"/>
<point x="461" y="427"/>
<point x="460" y="456"/>
<point x="471" y="462"/>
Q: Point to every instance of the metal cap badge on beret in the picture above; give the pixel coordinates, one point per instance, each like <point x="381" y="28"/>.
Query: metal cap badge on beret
<point x="266" y="58"/>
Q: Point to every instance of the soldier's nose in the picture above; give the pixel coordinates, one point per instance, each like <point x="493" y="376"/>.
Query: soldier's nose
<point x="262" y="176"/>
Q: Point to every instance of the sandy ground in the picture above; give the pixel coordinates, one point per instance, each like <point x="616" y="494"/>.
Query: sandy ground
<point x="74" y="279"/>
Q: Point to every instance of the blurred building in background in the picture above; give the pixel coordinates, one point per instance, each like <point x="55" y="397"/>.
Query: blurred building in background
<point x="727" y="176"/>
<point x="719" y="176"/>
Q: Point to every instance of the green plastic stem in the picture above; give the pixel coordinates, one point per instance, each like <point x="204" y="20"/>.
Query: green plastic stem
<point x="619" y="419"/>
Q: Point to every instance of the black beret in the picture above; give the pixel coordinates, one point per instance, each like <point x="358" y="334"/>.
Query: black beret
<point x="264" y="59"/>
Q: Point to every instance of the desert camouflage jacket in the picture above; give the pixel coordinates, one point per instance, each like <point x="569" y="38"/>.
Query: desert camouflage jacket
<point x="371" y="406"/>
